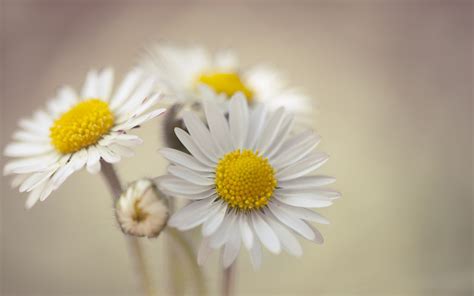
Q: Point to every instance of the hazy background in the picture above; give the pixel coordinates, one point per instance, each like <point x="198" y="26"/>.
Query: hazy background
<point x="392" y="81"/>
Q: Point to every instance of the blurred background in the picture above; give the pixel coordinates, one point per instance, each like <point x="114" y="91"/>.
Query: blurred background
<point x="392" y="81"/>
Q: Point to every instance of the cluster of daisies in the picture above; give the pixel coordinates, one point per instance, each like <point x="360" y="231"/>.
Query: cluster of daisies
<point x="246" y="175"/>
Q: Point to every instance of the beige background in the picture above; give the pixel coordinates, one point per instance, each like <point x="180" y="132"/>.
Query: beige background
<point x="393" y="85"/>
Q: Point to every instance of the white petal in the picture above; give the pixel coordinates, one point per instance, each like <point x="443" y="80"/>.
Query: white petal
<point x="287" y="239"/>
<point x="122" y="151"/>
<point x="226" y="60"/>
<point x="278" y="141"/>
<point x="180" y="186"/>
<point x="322" y="194"/>
<point x="204" y="251"/>
<point x="238" y="120"/>
<point x="211" y="225"/>
<point x="318" y="237"/>
<point x="192" y="215"/>
<point x="257" y="122"/>
<point x="190" y="176"/>
<point x="191" y="146"/>
<point x="138" y="96"/>
<point x="294" y="223"/>
<point x="304" y="214"/>
<point x="200" y="134"/>
<point x="56" y="180"/>
<point x="31" y="164"/>
<point x="125" y="88"/>
<point x="106" y="80"/>
<point x="108" y="155"/>
<point x="90" y="88"/>
<point x="134" y="122"/>
<point x="18" y="179"/>
<point x="256" y="254"/>
<point x="78" y="159"/>
<point x="93" y="160"/>
<point x="37" y="124"/>
<point x="34" y="196"/>
<point x="121" y="139"/>
<point x="68" y="96"/>
<point x="55" y="107"/>
<point x="303" y="201"/>
<point x="246" y="231"/>
<point x="128" y="140"/>
<point x="20" y="149"/>
<point x="295" y="149"/>
<point x="193" y="196"/>
<point x="302" y="167"/>
<point x="219" y="127"/>
<point x="306" y="182"/>
<point x="270" y="130"/>
<point x="184" y="159"/>
<point x="35" y="179"/>
<point x="147" y="104"/>
<point x="232" y="247"/>
<point x="220" y="237"/>
<point x="26" y="136"/>
<point x="265" y="233"/>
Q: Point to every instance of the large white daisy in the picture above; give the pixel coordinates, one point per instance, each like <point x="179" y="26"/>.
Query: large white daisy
<point x="79" y="130"/>
<point x="192" y="74"/>
<point x="247" y="180"/>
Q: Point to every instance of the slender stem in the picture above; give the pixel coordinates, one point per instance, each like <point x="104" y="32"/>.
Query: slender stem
<point x="174" y="272"/>
<point x="228" y="280"/>
<point x="191" y="257"/>
<point x="135" y="249"/>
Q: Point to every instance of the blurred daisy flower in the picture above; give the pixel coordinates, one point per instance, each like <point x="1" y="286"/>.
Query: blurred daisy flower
<point x="247" y="181"/>
<point x="79" y="130"/>
<point x="193" y="75"/>
<point x="140" y="210"/>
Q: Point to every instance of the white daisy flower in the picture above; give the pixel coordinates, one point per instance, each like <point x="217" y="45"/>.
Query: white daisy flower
<point x="79" y="130"/>
<point x="193" y="75"/>
<point x="247" y="180"/>
<point x="140" y="210"/>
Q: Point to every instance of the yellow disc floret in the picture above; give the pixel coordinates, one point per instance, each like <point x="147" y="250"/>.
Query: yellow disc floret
<point x="81" y="126"/>
<point x="225" y="82"/>
<point x="245" y="180"/>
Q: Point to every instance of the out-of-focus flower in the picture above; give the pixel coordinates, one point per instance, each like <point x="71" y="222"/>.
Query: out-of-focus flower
<point x="193" y="75"/>
<point x="141" y="211"/>
<point x="79" y="130"/>
<point x="247" y="181"/>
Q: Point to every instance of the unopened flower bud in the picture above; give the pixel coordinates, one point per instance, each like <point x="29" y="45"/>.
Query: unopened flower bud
<point x="141" y="211"/>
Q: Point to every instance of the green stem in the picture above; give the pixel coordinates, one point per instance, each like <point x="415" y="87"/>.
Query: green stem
<point x="136" y="252"/>
<point x="191" y="257"/>
<point x="228" y="280"/>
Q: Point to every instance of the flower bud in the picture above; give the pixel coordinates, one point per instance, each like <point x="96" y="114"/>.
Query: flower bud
<point x="140" y="210"/>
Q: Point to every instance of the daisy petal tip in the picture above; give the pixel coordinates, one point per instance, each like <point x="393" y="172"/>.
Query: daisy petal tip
<point x="173" y="223"/>
<point x="226" y="264"/>
<point x="200" y="262"/>
<point x="239" y="96"/>
<point x="178" y="130"/>
<point x="274" y="249"/>
<point x="27" y="206"/>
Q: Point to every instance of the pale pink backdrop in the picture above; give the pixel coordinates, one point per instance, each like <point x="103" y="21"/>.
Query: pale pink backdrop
<point x="393" y="85"/>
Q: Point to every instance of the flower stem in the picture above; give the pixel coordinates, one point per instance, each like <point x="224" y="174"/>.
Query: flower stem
<point x="191" y="257"/>
<point x="228" y="280"/>
<point x="136" y="252"/>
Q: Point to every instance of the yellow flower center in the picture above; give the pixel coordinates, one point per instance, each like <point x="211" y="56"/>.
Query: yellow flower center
<point x="245" y="180"/>
<point x="225" y="82"/>
<point x="81" y="126"/>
